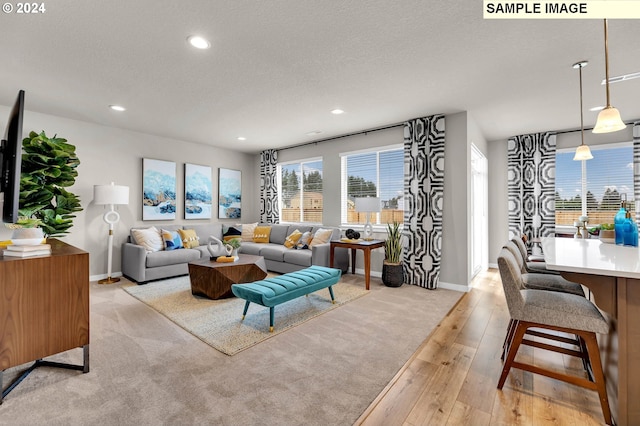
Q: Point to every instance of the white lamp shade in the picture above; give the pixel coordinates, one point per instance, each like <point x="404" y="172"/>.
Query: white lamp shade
<point x="110" y="194"/>
<point x="368" y="204"/>
<point x="583" y="153"/>
<point x="609" y="121"/>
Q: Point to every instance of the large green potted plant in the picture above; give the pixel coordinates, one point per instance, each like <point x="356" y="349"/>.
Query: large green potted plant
<point x="392" y="274"/>
<point x="48" y="167"/>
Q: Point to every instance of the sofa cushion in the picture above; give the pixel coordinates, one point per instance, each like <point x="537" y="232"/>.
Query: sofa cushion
<point x="250" y="247"/>
<point x="203" y="231"/>
<point x="273" y="252"/>
<point x="248" y="230"/>
<point x="298" y="257"/>
<point x="278" y="233"/>
<point x="261" y="234"/>
<point x="292" y="239"/>
<point x="189" y="238"/>
<point x="149" y="238"/>
<point x="230" y="232"/>
<point x="300" y="227"/>
<point x="171" y="239"/>
<point x="164" y="258"/>
<point x="321" y="236"/>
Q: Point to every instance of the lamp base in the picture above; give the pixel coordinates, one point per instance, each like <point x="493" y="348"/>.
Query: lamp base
<point x="109" y="280"/>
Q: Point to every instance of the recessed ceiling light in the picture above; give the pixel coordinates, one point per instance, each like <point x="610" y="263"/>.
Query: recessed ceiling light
<point x="117" y="108"/>
<point x="596" y="108"/>
<point x="198" y="42"/>
<point x="337" y="111"/>
<point x="242" y="138"/>
<point x="314" y="133"/>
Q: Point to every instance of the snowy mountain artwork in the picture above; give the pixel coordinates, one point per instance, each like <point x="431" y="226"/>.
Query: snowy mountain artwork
<point x="197" y="191"/>
<point x="158" y="189"/>
<point x="229" y="193"/>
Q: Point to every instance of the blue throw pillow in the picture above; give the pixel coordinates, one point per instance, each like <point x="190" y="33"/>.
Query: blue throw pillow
<point x="172" y="240"/>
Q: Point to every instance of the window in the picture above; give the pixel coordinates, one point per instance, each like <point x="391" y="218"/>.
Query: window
<point x="300" y="191"/>
<point x="608" y="179"/>
<point x="378" y="173"/>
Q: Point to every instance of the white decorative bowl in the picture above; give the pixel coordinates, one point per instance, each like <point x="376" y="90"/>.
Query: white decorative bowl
<point x="26" y="241"/>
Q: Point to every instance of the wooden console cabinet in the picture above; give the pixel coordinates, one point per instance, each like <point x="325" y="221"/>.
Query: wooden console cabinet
<point x="44" y="308"/>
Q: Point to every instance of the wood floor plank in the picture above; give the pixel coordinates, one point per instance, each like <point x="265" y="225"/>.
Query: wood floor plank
<point x="452" y="377"/>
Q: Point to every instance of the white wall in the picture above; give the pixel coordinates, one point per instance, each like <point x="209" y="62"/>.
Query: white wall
<point x="498" y="214"/>
<point x="108" y="154"/>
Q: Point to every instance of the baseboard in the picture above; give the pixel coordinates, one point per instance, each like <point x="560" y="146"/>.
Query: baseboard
<point x="103" y="276"/>
<point x="493" y="266"/>
<point x="455" y="287"/>
<point x="377" y="274"/>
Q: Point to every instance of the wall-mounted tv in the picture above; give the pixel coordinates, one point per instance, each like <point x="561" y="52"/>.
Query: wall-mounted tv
<point x="10" y="161"/>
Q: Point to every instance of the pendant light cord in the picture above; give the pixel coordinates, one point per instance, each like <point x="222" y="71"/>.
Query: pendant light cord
<point x="606" y="59"/>
<point x="581" y="118"/>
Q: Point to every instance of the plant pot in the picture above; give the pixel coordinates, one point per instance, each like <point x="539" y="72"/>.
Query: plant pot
<point x="392" y="274"/>
<point x="607" y="236"/>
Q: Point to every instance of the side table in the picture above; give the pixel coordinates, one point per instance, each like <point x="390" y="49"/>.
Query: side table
<point x="365" y="246"/>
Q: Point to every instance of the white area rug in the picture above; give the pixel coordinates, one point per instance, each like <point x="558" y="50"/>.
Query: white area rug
<point x="218" y="322"/>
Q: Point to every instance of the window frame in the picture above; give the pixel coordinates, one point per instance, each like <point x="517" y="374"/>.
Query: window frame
<point x="568" y="229"/>
<point x="375" y="218"/>
<point x="301" y="163"/>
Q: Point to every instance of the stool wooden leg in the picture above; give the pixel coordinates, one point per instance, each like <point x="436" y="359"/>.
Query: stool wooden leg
<point x="507" y="338"/>
<point x="520" y="330"/>
<point x="598" y="376"/>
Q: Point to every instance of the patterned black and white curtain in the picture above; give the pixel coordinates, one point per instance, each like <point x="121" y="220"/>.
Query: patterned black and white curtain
<point x="636" y="168"/>
<point x="269" y="212"/>
<point x="531" y="166"/>
<point x="423" y="197"/>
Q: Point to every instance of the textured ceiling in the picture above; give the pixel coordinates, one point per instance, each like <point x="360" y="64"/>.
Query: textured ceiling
<point x="277" y="68"/>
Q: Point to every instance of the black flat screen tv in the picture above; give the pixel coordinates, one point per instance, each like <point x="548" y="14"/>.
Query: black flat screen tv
<point x="10" y="161"/>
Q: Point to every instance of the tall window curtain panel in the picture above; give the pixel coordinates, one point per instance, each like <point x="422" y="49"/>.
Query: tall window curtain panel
<point x="269" y="212"/>
<point x="636" y="168"/>
<point x="423" y="197"/>
<point x="531" y="174"/>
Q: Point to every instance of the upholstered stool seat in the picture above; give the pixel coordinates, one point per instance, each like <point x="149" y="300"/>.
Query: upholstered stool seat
<point x="555" y="311"/>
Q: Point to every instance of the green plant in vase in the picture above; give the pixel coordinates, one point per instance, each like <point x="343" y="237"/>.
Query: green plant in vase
<point x="48" y="167"/>
<point x="392" y="270"/>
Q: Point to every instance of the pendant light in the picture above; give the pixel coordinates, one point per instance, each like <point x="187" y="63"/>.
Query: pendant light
<point x="583" y="152"/>
<point x="609" y="118"/>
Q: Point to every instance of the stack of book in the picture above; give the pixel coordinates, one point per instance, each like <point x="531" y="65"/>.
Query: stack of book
<point x="27" y="250"/>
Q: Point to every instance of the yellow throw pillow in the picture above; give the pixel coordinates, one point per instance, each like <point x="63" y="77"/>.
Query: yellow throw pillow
<point x="292" y="239"/>
<point x="261" y="234"/>
<point x="248" y="230"/>
<point x="321" y="237"/>
<point x="189" y="238"/>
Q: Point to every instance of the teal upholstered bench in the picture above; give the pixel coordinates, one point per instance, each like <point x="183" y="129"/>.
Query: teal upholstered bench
<point x="274" y="291"/>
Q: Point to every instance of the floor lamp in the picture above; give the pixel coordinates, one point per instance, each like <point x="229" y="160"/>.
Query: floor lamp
<point x="110" y="195"/>
<point x="368" y="205"/>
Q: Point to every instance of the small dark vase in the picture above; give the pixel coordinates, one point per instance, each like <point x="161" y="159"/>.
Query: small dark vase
<point x="392" y="275"/>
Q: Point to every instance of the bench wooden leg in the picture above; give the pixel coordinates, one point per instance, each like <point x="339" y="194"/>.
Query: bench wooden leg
<point x="271" y="315"/>
<point x="333" y="299"/>
<point x="246" y="308"/>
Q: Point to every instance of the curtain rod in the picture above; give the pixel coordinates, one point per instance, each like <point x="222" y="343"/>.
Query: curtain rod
<point x="363" y="132"/>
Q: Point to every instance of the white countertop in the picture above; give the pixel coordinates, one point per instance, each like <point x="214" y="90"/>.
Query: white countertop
<point x="591" y="256"/>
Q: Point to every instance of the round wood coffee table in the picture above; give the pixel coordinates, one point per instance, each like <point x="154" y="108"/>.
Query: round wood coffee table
<point x="213" y="279"/>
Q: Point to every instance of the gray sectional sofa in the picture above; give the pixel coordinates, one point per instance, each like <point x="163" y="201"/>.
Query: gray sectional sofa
<point x="142" y="266"/>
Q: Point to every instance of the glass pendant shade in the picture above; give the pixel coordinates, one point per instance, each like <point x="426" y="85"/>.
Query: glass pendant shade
<point x="583" y="153"/>
<point x="609" y="121"/>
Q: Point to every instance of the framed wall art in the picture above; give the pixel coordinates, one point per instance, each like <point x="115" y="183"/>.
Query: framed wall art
<point x="158" y="189"/>
<point x="197" y="191"/>
<point x="229" y="193"/>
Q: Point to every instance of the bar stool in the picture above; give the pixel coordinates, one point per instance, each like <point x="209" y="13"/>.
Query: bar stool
<point x="541" y="281"/>
<point x="539" y="267"/>
<point x="556" y="311"/>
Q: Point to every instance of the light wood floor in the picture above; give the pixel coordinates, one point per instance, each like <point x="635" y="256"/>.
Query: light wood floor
<point x="452" y="377"/>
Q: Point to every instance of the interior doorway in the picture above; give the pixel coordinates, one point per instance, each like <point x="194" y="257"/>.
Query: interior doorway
<point x="479" y="206"/>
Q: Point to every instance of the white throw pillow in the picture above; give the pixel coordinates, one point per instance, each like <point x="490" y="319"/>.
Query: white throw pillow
<point x="149" y="238"/>
<point x="247" y="231"/>
<point x="321" y="236"/>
